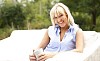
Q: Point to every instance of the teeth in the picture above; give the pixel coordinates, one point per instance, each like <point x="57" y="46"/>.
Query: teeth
<point x="60" y="22"/>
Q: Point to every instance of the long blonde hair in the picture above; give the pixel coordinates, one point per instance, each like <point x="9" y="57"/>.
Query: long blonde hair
<point x="66" y="9"/>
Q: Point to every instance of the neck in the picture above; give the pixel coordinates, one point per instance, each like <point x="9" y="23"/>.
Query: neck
<point x="64" y="28"/>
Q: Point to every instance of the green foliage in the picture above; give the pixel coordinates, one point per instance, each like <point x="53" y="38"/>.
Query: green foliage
<point x="38" y="15"/>
<point x="12" y="14"/>
<point x="89" y="7"/>
<point x="97" y="28"/>
<point x="25" y="15"/>
<point x="83" y="20"/>
<point x="35" y="15"/>
<point x="5" y="32"/>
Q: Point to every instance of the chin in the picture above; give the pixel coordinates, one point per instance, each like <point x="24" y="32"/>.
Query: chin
<point x="62" y="25"/>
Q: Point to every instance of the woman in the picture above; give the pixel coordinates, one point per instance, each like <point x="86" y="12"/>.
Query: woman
<point x="64" y="35"/>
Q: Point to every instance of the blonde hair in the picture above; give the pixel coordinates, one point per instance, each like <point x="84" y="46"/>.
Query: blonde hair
<point x="66" y="9"/>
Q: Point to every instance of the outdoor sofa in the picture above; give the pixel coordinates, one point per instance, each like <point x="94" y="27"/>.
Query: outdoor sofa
<point x="21" y="43"/>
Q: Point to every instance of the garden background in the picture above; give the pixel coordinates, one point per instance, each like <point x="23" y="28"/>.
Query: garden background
<point x="34" y="14"/>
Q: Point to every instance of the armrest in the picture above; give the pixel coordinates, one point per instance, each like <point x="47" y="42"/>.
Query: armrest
<point x="20" y="44"/>
<point x="92" y="53"/>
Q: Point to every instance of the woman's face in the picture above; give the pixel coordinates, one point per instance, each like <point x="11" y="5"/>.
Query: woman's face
<point x="60" y="17"/>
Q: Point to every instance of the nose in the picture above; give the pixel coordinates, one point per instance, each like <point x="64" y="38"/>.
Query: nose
<point x="59" y="19"/>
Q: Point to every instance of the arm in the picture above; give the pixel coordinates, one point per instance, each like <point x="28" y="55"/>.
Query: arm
<point x="79" y="41"/>
<point x="43" y="44"/>
<point x="45" y="41"/>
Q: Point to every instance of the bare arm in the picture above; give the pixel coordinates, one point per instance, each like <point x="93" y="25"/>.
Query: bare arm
<point x="43" y="44"/>
<point x="79" y="41"/>
<point x="44" y="41"/>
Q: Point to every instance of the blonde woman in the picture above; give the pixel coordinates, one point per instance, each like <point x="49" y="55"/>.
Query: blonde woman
<point x="64" y="35"/>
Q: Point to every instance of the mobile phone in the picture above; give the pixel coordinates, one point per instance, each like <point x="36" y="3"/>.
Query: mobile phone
<point x="37" y="52"/>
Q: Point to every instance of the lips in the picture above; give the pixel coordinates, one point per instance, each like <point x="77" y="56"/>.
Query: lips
<point x="61" y="22"/>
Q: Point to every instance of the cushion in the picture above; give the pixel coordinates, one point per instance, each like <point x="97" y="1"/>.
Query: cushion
<point x="89" y="37"/>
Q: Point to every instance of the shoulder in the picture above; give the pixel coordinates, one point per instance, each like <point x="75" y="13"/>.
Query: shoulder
<point x="79" y="31"/>
<point x="76" y="29"/>
<point x="51" y="29"/>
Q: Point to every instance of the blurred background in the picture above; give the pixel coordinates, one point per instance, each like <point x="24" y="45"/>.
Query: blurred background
<point x="34" y="14"/>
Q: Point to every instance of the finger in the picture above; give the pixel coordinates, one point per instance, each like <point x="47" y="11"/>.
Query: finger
<point x="32" y="57"/>
<point x="33" y="50"/>
<point x="42" y="57"/>
<point x="39" y="55"/>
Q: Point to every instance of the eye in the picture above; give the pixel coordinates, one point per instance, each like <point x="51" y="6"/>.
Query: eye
<point x="60" y="15"/>
<point x="55" y="18"/>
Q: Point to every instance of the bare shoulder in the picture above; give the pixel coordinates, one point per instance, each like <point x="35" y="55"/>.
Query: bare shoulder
<point x="80" y="31"/>
<point x="46" y="33"/>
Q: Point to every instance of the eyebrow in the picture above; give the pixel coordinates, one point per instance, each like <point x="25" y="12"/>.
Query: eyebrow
<point x="58" y="12"/>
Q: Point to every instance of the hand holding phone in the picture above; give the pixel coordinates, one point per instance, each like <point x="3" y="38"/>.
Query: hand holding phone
<point x="37" y="52"/>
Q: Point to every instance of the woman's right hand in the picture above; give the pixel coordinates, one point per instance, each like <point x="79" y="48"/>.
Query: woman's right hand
<point x="32" y="57"/>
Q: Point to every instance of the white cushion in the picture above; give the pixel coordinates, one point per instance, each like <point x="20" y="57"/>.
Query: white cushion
<point x="20" y="44"/>
<point x="89" y="37"/>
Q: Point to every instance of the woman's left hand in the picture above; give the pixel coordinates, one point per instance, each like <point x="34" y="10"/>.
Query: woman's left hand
<point x="44" y="56"/>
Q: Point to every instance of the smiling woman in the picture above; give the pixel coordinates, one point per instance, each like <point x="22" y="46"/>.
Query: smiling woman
<point x="59" y="16"/>
<point x="64" y="35"/>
